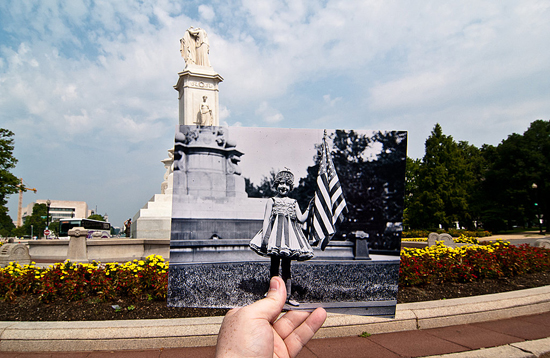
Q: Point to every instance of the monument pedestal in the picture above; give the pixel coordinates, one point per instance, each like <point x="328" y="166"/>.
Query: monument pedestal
<point x="209" y="197"/>
<point x="195" y="83"/>
<point x="197" y="88"/>
<point x="153" y="221"/>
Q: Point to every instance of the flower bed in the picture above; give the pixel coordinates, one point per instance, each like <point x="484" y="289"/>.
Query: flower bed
<point x="146" y="279"/>
<point x="439" y="264"/>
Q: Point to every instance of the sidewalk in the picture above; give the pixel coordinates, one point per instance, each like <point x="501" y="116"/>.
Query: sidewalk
<point x="515" y="322"/>
<point x="533" y="330"/>
<point x="525" y="336"/>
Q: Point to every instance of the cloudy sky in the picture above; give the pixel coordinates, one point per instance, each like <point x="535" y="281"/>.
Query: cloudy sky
<point x="86" y="86"/>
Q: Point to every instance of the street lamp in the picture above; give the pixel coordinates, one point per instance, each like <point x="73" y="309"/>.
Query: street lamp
<point x="539" y="216"/>
<point x="48" y="203"/>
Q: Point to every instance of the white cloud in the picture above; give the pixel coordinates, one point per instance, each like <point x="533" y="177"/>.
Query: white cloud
<point x="104" y="71"/>
<point x="206" y="12"/>
<point x="268" y="113"/>
<point x="224" y="113"/>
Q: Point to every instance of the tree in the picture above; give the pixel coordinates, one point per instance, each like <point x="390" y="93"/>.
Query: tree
<point x="373" y="185"/>
<point x="96" y="217"/>
<point x="9" y="184"/>
<point x="6" y="224"/>
<point x="444" y="184"/>
<point x="514" y="166"/>
<point x="265" y="189"/>
<point x="54" y="227"/>
<point x="37" y="221"/>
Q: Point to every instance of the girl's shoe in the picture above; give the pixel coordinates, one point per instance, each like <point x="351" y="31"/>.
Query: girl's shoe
<point x="292" y="303"/>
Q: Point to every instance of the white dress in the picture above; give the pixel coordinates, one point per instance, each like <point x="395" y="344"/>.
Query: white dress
<point x="284" y="236"/>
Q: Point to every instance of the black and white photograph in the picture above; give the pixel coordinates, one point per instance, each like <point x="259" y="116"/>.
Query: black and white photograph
<point x="321" y="208"/>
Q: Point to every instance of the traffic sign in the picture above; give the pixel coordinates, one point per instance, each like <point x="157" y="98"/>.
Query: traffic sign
<point x="47" y="232"/>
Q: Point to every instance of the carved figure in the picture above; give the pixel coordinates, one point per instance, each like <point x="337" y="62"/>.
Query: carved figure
<point x="281" y="236"/>
<point x="187" y="48"/>
<point x="205" y="113"/>
<point x="169" y="166"/>
<point x="194" y="47"/>
<point x="233" y="165"/>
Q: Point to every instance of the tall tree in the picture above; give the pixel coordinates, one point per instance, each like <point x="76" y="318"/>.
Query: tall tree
<point x="8" y="181"/>
<point x="444" y="183"/>
<point x="515" y="165"/>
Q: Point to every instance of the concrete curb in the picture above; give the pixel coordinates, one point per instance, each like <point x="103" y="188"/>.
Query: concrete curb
<point x="539" y="348"/>
<point x="196" y="332"/>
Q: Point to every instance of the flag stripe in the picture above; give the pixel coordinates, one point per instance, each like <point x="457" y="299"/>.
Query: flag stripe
<point x="319" y="224"/>
<point x="329" y="204"/>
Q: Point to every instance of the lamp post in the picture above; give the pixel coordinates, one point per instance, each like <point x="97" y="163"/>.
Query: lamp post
<point x="539" y="216"/>
<point x="48" y="203"/>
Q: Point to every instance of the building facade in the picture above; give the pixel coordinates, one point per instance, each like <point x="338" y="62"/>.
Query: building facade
<point x="61" y="209"/>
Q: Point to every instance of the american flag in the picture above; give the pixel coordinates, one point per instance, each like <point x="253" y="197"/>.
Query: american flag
<point x="329" y="204"/>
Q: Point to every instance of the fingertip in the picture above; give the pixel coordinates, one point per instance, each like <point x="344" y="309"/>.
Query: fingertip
<point x="321" y="311"/>
<point x="319" y="316"/>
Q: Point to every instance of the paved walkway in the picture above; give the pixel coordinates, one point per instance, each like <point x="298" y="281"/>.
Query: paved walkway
<point x="525" y="336"/>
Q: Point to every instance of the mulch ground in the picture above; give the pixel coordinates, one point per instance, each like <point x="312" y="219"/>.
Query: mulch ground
<point x="29" y="308"/>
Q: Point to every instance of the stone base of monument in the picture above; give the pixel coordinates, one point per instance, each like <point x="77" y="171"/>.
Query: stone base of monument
<point x="225" y="218"/>
<point x="342" y="286"/>
<point x="199" y="251"/>
<point x="204" y="229"/>
<point x="153" y="221"/>
<point x="209" y="198"/>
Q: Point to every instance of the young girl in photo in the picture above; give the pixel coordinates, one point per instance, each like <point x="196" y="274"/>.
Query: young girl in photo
<point x="281" y="236"/>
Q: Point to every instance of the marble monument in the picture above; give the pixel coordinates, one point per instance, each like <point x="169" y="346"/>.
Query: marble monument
<point x="209" y="197"/>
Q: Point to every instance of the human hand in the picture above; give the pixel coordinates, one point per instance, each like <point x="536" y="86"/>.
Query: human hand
<point x="255" y="331"/>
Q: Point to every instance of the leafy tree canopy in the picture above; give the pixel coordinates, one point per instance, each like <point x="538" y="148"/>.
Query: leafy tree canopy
<point x="441" y="187"/>
<point x="514" y="166"/>
<point x="9" y="184"/>
<point x="96" y="217"/>
<point x="34" y="224"/>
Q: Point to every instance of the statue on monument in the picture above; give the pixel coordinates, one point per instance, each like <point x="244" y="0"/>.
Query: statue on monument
<point x="194" y="47"/>
<point x="205" y="114"/>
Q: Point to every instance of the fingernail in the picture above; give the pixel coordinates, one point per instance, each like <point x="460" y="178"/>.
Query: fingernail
<point x="273" y="284"/>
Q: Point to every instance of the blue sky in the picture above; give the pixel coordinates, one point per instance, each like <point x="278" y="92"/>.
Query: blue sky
<point x="86" y="86"/>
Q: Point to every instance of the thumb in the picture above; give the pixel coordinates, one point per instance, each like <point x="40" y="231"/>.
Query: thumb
<point x="271" y="306"/>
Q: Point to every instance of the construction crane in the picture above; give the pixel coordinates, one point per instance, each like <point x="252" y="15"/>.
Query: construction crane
<point x="22" y="188"/>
